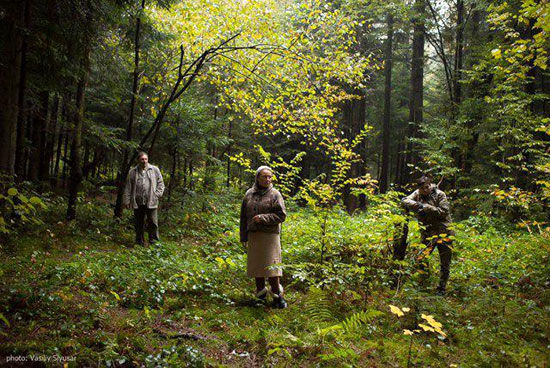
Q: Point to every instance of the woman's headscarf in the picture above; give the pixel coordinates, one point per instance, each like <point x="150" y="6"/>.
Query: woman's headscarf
<point x="257" y="187"/>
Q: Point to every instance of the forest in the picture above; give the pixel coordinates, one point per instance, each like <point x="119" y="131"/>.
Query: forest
<point x="398" y="159"/>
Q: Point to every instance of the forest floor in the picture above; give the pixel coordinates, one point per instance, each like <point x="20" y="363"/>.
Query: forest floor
<point x="83" y="295"/>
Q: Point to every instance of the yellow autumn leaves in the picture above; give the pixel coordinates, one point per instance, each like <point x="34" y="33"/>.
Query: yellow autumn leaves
<point x="431" y="324"/>
<point x="397" y="311"/>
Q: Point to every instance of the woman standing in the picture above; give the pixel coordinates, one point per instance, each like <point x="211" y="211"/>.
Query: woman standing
<point x="262" y="212"/>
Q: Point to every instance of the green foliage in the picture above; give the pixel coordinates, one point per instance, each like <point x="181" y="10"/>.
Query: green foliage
<point x="277" y="94"/>
<point x="317" y="305"/>
<point x="356" y="320"/>
<point x="495" y="134"/>
<point x="438" y="147"/>
<point x="19" y="210"/>
<point x="133" y="302"/>
<point x="175" y="356"/>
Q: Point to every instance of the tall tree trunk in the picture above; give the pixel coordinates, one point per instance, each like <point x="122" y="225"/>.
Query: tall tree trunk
<point x="185" y="172"/>
<point x="36" y="120"/>
<point x="40" y="121"/>
<point x="135" y="81"/>
<point x="384" y="171"/>
<point x="65" y="160"/>
<point x="55" y="173"/>
<point x="401" y="132"/>
<point x="347" y="119"/>
<point x="353" y="119"/>
<point x="378" y="164"/>
<point x="208" y="179"/>
<point x="21" y="101"/>
<point x="76" y="166"/>
<point x="10" y="72"/>
<point x="27" y="152"/>
<point x="86" y="160"/>
<point x="459" y="52"/>
<point x="473" y="136"/>
<point x="357" y="167"/>
<point x="43" y="167"/>
<point x="399" y="164"/>
<point x="229" y="146"/>
<point x="174" y="153"/>
<point x="416" y="94"/>
<point x="59" y="138"/>
<point x="209" y="169"/>
<point x="123" y="171"/>
<point x="52" y="129"/>
<point x="173" y="169"/>
<point x="95" y="170"/>
<point x="456" y="97"/>
<point x="191" y="181"/>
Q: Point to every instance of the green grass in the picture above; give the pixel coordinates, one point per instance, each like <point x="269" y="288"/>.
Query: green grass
<point x="86" y="292"/>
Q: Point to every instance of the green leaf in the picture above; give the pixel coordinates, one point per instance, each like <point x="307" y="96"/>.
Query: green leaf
<point x="36" y="200"/>
<point x="12" y="192"/>
<point x="5" y="320"/>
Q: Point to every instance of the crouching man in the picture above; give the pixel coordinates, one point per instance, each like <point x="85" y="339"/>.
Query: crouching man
<point x="432" y="210"/>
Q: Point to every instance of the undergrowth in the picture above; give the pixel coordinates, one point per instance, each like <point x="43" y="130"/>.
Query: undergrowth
<point x="83" y="290"/>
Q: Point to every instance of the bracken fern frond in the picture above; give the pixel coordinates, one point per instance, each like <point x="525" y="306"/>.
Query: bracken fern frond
<point x="317" y="306"/>
<point x="356" y="320"/>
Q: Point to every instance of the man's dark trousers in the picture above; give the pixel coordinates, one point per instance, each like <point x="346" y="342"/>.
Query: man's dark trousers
<point x="141" y="214"/>
<point x="444" y="248"/>
<point x="445" y="254"/>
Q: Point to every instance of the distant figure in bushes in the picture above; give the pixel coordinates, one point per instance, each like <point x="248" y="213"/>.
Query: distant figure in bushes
<point x="432" y="210"/>
<point x="144" y="187"/>
<point x="262" y="212"/>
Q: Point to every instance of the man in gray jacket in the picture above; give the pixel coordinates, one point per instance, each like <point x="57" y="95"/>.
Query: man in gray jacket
<point x="433" y="212"/>
<point x="144" y="187"/>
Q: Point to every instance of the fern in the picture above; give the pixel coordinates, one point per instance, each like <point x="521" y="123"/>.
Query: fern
<point x="351" y="324"/>
<point x="356" y="320"/>
<point x="317" y="306"/>
<point x="339" y="353"/>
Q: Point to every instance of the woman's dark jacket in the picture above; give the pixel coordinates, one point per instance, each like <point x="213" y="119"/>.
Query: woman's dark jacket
<point x="269" y="204"/>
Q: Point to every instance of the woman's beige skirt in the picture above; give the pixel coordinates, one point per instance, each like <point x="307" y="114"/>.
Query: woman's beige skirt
<point x="264" y="251"/>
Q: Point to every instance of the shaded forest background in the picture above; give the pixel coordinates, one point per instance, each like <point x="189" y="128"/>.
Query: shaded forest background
<point x="455" y="89"/>
<point x="349" y="102"/>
